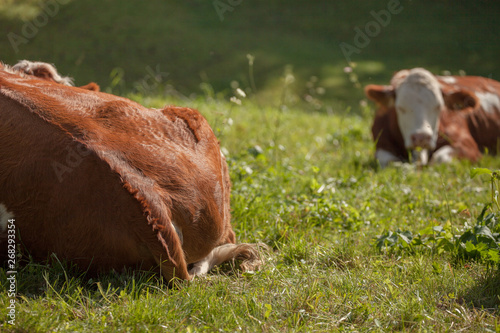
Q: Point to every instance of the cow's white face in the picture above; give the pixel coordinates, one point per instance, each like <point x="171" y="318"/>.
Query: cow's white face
<point x="418" y="104"/>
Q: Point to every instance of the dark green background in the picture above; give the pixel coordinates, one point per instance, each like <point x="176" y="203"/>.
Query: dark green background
<point x="87" y="39"/>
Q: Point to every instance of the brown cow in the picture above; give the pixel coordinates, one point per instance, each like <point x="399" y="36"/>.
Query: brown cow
<point x="106" y="183"/>
<point x="436" y="117"/>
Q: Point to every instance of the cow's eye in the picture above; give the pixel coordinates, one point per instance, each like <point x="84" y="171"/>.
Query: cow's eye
<point x="401" y="110"/>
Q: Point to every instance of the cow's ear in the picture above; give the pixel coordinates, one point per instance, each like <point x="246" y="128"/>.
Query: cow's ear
<point x="92" y="86"/>
<point x="460" y="99"/>
<point x="383" y="95"/>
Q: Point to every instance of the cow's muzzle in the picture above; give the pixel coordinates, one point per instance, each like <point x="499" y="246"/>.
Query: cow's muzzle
<point x="421" y="140"/>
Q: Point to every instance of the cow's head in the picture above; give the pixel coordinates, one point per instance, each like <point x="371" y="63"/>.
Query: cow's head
<point x="418" y="99"/>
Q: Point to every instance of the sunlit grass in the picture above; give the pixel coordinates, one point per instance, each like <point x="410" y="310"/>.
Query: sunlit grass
<point x="20" y="9"/>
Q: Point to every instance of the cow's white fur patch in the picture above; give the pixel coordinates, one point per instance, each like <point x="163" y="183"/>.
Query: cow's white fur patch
<point x="448" y="79"/>
<point x="489" y="102"/>
<point x="419" y="102"/>
<point x="443" y="155"/>
<point x="384" y="157"/>
<point x="5" y="216"/>
<point x="216" y="257"/>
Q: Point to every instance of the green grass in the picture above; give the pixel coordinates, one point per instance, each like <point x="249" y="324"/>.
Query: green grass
<point x="307" y="185"/>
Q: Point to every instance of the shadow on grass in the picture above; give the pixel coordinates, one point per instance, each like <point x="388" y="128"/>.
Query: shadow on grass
<point x="485" y="294"/>
<point x="63" y="279"/>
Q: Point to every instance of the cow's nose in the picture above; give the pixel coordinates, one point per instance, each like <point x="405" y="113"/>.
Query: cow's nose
<point x="422" y="140"/>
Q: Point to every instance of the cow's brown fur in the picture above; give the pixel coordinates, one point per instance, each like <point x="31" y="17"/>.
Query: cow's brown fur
<point x="100" y="180"/>
<point x="464" y="123"/>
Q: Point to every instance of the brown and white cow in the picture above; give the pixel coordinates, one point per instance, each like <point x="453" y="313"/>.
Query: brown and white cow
<point x="106" y="183"/>
<point x="435" y="117"/>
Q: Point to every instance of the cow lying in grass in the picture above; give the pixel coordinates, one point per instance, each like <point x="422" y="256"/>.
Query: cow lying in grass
<point x="435" y="117"/>
<point x="106" y="183"/>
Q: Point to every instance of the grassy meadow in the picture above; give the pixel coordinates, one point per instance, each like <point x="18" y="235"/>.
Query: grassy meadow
<point x="353" y="247"/>
<point x="307" y="185"/>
